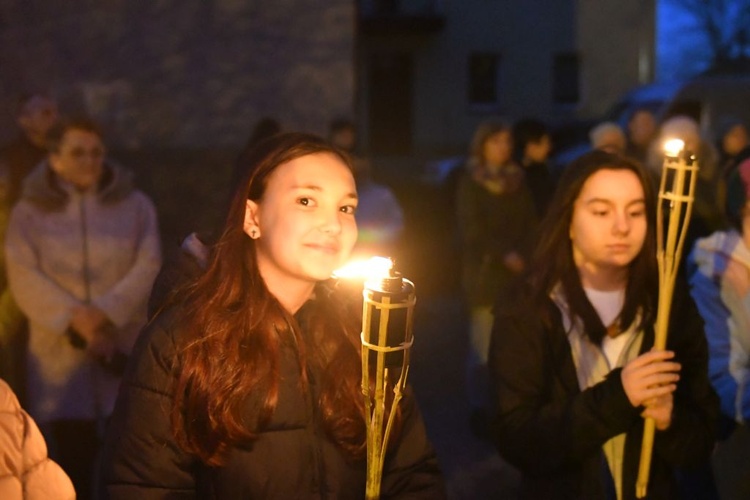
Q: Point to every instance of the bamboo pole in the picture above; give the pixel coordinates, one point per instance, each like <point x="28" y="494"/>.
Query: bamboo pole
<point x="385" y="300"/>
<point x="681" y="168"/>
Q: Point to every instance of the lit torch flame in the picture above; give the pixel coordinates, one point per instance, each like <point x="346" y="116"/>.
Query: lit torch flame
<point x="673" y="147"/>
<point x="372" y="268"/>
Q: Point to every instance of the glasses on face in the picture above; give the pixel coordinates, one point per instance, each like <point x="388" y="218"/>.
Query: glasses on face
<point x="80" y="153"/>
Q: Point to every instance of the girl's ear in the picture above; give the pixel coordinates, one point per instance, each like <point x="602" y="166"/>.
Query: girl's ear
<point x="251" y="225"/>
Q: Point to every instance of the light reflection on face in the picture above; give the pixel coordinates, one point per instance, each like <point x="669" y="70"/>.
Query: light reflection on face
<point x="305" y="220"/>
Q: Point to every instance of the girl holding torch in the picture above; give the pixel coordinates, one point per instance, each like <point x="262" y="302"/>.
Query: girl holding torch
<point x="572" y="365"/>
<point x="249" y="386"/>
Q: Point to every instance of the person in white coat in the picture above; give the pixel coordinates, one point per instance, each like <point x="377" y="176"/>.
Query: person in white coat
<point x="82" y="251"/>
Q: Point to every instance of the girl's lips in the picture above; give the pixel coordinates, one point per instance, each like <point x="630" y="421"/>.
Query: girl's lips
<point x="331" y="248"/>
<point x="619" y="247"/>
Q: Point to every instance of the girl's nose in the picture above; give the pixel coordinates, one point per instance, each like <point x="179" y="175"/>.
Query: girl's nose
<point x="331" y="222"/>
<point x="622" y="224"/>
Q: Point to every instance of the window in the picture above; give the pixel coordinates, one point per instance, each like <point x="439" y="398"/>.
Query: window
<point x="484" y="71"/>
<point x="565" y="78"/>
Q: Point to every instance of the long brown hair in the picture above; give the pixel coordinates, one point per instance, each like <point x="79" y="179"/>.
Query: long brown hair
<point x="552" y="262"/>
<point x="234" y="331"/>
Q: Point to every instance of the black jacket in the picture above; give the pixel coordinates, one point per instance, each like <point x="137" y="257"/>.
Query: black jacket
<point x="491" y="227"/>
<point x="292" y="458"/>
<point x="554" y="432"/>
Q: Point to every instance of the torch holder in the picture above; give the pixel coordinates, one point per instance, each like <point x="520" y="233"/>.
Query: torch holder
<point x="387" y="337"/>
<point x="676" y="195"/>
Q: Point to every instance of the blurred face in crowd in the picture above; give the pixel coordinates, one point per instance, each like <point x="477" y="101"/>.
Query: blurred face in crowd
<point x="611" y="141"/>
<point x="305" y="221"/>
<point x="642" y="128"/>
<point x="37" y="116"/>
<point x="498" y="148"/>
<point x="79" y="159"/>
<point x="608" y="226"/>
<point x="735" y="140"/>
<point x="538" y="151"/>
<point x="344" y="138"/>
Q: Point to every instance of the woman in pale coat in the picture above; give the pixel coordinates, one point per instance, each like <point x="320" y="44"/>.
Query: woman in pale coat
<point x="82" y="250"/>
<point x="25" y="470"/>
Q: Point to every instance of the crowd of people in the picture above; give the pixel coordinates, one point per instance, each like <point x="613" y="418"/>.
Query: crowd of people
<point x="564" y="339"/>
<point x="233" y="370"/>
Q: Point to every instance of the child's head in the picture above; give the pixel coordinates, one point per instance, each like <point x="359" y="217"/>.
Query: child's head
<point x="532" y="140"/>
<point x="294" y="211"/>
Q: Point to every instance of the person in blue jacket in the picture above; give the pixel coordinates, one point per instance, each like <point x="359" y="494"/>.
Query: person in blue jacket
<point x="719" y="273"/>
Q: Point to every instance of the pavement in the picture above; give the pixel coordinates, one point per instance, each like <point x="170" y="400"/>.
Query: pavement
<point x="472" y="467"/>
<point x="428" y="256"/>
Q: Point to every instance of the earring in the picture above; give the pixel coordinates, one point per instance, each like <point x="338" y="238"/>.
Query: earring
<point x="254" y="233"/>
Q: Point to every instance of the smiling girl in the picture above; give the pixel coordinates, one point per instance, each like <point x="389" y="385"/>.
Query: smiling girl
<point x="572" y="363"/>
<point x="250" y="387"/>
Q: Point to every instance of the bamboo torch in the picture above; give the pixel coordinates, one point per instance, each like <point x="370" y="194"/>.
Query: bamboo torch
<point x="387" y="337"/>
<point x="676" y="194"/>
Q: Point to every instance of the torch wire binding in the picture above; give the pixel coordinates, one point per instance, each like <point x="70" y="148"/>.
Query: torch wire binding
<point x="377" y="439"/>
<point x="668" y="258"/>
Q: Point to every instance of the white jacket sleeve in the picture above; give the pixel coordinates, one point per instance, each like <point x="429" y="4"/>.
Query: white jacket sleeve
<point x="40" y="298"/>
<point x="124" y="300"/>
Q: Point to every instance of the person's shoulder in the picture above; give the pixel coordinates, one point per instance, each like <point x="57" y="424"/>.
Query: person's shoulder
<point x="163" y="332"/>
<point x="518" y="302"/>
<point x="142" y="198"/>
<point x="164" y="329"/>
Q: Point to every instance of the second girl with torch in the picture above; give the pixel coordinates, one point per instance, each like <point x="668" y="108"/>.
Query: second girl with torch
<point x="572" y="365"/>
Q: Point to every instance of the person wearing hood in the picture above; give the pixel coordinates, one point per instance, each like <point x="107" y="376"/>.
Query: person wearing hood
<point x="719" y="270"/>
<point x="82" y="251"/>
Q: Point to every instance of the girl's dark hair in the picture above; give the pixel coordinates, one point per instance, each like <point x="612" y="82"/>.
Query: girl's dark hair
<point x="526" y="131"/>
<point x="235" y="331"/>
<point x="552" y="262"/>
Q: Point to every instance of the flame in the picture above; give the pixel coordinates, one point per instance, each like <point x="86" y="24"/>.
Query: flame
<point x="673" y="147"/>
<point x="374" y="267"/>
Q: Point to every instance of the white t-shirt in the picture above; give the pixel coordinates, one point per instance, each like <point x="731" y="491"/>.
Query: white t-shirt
<point x="608" y="305"/>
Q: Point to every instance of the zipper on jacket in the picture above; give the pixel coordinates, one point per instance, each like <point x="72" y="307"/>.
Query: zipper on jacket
<point x="98" y="411"/>
<point x="85" y="250"/>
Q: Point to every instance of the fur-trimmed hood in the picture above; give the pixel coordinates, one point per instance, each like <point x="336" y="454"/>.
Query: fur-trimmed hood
<point x="42" y="187"/>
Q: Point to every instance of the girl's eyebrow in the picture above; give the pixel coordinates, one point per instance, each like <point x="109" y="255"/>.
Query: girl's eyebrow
<point x="610" y="202"/>
<point x="315" y="187"/>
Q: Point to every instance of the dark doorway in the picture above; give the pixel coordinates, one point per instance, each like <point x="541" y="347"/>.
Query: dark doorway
<point x="390" y="103"/>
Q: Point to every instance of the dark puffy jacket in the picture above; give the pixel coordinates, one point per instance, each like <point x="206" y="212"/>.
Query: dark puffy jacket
<point x="292" y="458"/>
<point x="553" y="431"/>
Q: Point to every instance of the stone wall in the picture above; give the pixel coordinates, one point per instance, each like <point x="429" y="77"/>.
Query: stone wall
<point x="181" y="73"/>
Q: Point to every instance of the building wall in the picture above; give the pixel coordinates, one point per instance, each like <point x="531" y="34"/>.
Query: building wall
<point x="182" y="73"/>
<point x="615" y="40"/>
<point x="526" y="34"/>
